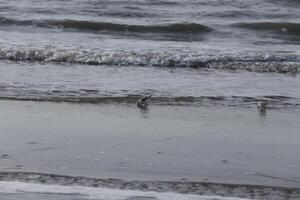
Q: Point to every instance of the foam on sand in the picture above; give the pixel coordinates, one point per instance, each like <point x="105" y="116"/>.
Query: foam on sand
<point x="98" y="193"/>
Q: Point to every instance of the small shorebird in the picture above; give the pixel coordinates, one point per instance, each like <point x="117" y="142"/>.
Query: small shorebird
<point x="262" y="106"/>
<point x="142" y="102"/>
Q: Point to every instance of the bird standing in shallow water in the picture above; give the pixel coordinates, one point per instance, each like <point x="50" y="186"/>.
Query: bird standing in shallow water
<point x="142" y="102"/>
<point x="262" y="106"/>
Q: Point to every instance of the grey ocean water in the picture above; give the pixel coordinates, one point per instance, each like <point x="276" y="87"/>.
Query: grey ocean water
<point x="230" y="53"/>
<point x="76" y="49"/>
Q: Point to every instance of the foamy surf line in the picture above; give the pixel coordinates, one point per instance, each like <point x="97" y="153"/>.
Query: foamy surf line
<point x="118" y="189"/>
<point x="288" y="63"/>
<point x="100" y="193"/>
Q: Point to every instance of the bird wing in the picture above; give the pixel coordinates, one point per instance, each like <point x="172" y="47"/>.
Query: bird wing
<point x="144" y="99"/>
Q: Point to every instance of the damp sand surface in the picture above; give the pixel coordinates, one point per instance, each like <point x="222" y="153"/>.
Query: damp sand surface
<point x="191" y="143"/>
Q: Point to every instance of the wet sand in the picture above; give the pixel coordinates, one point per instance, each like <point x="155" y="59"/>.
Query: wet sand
<point x="168" y="143"/>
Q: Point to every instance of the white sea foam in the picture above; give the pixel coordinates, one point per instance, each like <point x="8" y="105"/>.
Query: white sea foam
<point x="281" y="63"/>
<point x="13" y="187"/>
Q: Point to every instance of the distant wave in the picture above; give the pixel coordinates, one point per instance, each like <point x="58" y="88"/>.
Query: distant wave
<point x="258" y="62"/>
<point x="39" y="183"/>
<point x="279" y="27"/>
<point x="106" y="26"/>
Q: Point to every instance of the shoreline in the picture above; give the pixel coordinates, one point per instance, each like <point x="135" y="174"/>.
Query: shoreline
<point x="166" y="143"/>
<point x="179" y="187"/>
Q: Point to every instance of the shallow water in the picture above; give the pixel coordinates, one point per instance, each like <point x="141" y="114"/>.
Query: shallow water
<point x="165" y="143"/>
<point x="98" y="84"/>
<point x="221" y="144"/>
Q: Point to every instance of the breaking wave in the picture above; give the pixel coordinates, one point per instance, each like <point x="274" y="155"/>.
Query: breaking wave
<point x="106" y="26"/>
<point x="258" y="63"/>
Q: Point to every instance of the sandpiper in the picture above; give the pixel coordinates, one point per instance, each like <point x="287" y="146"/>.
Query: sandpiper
<point x="142" y="102"/>
<point x="262" y="106"/>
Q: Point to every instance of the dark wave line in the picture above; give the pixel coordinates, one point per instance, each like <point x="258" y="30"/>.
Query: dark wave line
<point x="275" y="102"/>
<point x="184" y="187"/>
<point x="278" y="27"/>
<point x="106" y="26"/>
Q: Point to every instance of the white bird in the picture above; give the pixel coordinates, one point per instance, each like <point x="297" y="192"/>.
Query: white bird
<point x="142" y="102"/>
<point x="262" y="106"/>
